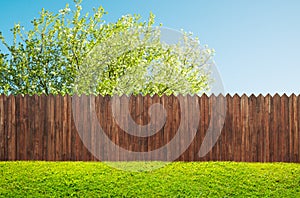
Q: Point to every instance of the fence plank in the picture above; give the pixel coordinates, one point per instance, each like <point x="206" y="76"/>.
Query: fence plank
<point x="237" y="135"/>
<point x="18" y="125"/>
<point x="51" y="127"/>
<point x="297" y="132"/>
<point x="5" y="128"/>
<point x="266" y="127"/>
<point x="284" y="147"/>
<point x="244" y="123"/>
<point x="2" y="130"/>
<point x="11" y="129"/>
<point x="277" y="128"/>
<point x="22" y="132"/>
<point x="273" y="129"/>
<point x="207" y="115"/>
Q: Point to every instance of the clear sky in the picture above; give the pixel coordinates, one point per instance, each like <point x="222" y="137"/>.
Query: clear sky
<point x="257" y="42"/>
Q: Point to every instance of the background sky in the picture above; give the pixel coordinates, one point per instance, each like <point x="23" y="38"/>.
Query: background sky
<point x="257" y="42"/>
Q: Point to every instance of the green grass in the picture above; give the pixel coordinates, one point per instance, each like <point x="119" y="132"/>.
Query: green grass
<point x="178" y="179"/>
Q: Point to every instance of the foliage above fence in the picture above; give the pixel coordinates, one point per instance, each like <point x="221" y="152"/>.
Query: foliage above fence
<point x="68" y="51"/>
<point x="255" y="128"/>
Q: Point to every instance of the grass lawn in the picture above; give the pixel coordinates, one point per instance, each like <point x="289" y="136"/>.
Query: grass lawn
<point x="178" y="179"/>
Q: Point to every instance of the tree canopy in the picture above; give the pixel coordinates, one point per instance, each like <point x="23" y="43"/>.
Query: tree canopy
<point x="71" y="53"/>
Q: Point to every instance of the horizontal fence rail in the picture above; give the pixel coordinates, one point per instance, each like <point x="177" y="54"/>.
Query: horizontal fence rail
<point x="255" y="128"/>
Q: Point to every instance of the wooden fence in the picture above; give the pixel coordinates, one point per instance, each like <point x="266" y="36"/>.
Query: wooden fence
<point x="255" y="129"/>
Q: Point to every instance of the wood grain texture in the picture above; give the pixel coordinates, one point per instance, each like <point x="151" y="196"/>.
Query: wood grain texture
<point x="256" y="128"/>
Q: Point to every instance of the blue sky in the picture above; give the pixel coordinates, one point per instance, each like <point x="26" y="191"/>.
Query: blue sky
<point x="257" y="42"/>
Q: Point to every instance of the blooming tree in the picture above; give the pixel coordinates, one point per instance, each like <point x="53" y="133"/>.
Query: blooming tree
<point x="71" y="53"/>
